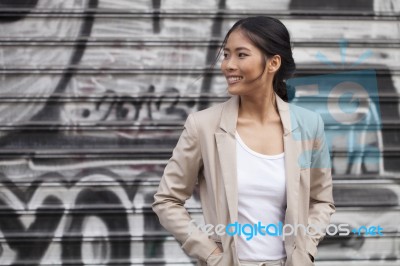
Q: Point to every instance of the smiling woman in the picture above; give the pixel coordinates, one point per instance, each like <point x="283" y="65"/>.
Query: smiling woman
<point x="242" y="64"/>
<point x="250" y="45"/>
<point x="257" y="61"/>
<point x="244" y="155"/>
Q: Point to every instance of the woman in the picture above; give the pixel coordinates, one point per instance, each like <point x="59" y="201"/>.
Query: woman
<point x="254" y="157"/>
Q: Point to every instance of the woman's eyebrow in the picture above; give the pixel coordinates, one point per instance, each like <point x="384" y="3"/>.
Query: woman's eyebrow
<point x="237" y="49"/>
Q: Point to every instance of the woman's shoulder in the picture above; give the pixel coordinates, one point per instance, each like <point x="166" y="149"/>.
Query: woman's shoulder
<point x="303" y="112"/>
<point x="308" y="120"/>
<point x="209" y="116"/>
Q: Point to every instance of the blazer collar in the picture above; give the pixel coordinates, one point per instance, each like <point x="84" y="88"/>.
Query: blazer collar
<point x="226" y="146"/>
<point x="231" y="109"/>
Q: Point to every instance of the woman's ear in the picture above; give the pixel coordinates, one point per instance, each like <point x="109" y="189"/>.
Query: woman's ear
<point x="274" y="63"/>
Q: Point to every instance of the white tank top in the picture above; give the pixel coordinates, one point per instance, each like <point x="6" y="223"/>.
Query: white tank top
<point x="261" y="198"/>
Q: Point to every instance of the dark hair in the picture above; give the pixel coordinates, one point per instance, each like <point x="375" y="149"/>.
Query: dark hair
<point x="272" y="38"/>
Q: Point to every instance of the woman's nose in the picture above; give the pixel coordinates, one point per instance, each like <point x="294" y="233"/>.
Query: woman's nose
<point x="230" y="64"/>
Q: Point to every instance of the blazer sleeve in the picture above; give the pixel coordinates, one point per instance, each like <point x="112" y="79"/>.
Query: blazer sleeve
<point x="321" y="198"/>
<point x="176" y="186"/>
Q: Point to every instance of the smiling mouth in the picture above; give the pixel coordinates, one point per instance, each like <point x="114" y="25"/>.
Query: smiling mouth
<point x="234" y="79"/>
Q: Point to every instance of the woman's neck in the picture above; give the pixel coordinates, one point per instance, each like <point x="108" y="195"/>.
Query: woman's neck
<point x="259" y="108"/>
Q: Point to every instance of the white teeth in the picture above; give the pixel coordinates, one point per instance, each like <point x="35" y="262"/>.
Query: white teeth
<point x="234" y="79"/>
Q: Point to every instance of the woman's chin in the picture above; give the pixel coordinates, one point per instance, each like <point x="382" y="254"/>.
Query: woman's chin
<point x="233" y="90"/>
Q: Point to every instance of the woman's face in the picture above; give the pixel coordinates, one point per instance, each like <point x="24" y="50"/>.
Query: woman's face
<point x="243" y="65"/>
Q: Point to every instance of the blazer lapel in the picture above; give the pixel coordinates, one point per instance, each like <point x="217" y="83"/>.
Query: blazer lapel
<point x="226" y="146"/>
<point x="291" y="141"/>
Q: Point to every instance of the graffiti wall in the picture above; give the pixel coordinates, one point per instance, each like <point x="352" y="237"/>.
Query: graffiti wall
<point x="94" y="94"/>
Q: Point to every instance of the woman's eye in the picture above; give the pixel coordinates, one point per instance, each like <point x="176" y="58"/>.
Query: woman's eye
<point x="242" y="55"/>
<point x="225" y="55"/>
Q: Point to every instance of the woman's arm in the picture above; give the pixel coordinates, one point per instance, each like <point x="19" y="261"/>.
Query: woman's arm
<point x="321" y="199"/>
<point x="176" y="186"/>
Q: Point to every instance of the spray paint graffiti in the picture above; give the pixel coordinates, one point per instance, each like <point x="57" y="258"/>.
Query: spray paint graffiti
<point x="88" y="119"/>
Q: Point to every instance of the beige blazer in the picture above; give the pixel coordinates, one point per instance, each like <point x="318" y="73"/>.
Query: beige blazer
<point x="205" y="155"/>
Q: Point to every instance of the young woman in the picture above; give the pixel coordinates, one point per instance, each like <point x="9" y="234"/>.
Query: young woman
<point x="256" y="159"/>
